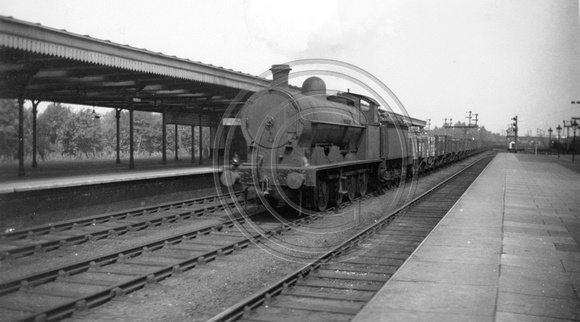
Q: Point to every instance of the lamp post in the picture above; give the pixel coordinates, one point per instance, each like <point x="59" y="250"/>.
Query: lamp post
<point x="558" y="129"/>
<point x="538" y="139"/>
<point x="550" y="140"/>
<point x="574" y="128"/>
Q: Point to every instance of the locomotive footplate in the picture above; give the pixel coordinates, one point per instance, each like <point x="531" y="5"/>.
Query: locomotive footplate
<point x="291" y="176"/>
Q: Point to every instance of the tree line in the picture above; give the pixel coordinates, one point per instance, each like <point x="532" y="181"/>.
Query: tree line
<point x="64" y="132"/>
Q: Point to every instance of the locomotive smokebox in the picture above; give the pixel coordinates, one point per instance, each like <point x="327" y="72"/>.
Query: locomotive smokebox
<point x="280" y="75"/>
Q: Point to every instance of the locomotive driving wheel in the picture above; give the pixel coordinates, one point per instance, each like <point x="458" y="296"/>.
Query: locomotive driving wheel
<point x="322" y="194"/>
<point x="363" y="181"/>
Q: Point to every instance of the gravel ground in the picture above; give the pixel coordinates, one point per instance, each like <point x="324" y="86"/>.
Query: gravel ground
<point x="208" y="289"/>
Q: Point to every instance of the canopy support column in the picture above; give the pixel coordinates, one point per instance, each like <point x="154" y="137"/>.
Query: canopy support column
<point x="212" y="142"/>
<point x="200" y="137"/>
<point x="163" y="138"/>
<point x="118" y="116"/>
<point x="131" y="159"/>
<point x="192" y="143"/>
<point x="34" y="114"/>
<point x="176" y="142"/>
<point x="21" y="136"/>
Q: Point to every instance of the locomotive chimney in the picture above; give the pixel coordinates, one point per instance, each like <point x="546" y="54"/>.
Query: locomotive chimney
<point x="280" y="75"/>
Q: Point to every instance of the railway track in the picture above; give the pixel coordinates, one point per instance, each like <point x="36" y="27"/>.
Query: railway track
<point x="60" y="291"/>
<point x="57" y="293"/>
<point x="43" y="238"/>
<point x="339" y="283"/>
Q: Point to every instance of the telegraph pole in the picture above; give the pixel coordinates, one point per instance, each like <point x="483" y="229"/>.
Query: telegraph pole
<point x="567" y="134"/>
<point x="464" y="127"/>
<point x="468" y="124"/>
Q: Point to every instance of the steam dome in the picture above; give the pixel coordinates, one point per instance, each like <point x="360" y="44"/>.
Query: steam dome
<point x="314" y="86"/>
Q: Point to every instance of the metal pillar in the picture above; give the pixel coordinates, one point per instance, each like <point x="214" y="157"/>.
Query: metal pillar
<point x="200" y="138"/>
<point x="21" y="136"/>
<point x="516" y="135"/>
<point x="131" y="160"/>
<point x="550" y="140"/>
<point x="558" y="129"/>
<point x="567" y="135"/>
<point x="575" y="125"/>
<point x="176" y="141"/>
<point x="212" y="142"/>
<point x="34" y="114"/>
<point x="192" y="143"/>
<point x="567" y="138"/>
<point x="164" y="139"/>
<point x="118" y="116"/>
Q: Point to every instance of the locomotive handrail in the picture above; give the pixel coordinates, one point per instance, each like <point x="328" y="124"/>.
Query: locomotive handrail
<point x="339" y="124"/>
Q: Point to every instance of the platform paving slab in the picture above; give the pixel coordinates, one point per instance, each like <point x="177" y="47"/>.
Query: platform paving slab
<point x="539" y="306"/>
<point x="521" y="284"/>
<point x="524" y="249"/>
<point x="458" y="299"/>
<point x="515" y="317"/>
<point x="542" y="274"/>
<point x="460" y="255"/>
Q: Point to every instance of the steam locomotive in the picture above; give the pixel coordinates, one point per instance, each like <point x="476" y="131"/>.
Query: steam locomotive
<point x="312" y="149"/>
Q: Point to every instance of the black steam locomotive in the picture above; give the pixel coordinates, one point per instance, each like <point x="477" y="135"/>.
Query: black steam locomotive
<point x="312" y="149"/>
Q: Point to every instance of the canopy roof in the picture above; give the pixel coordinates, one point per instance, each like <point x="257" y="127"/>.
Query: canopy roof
<point x="46" y="64"/>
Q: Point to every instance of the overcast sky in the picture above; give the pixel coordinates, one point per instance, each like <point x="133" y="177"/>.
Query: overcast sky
<point x="497" y="58"/>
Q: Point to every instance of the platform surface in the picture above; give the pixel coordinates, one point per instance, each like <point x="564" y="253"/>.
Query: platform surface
<point x="61" y="174"/>
<point x="507" y="251"/>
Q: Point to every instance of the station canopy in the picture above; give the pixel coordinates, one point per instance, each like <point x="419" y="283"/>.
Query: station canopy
<point x="46" y="64"/>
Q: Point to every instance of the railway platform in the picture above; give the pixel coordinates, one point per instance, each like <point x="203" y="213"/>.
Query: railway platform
<point x="509" y="250"/>
<point x="67" y="189"/>
<point x="65" y="174"/>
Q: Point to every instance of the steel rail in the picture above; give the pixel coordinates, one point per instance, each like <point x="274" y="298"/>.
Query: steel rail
<point x="92" y="300"/>
<point x="113" y="231"/>
<point x="136" y="283"/>
<point x="265" y="295"/>
<point x="133" y="212"/>
<point x="36" y="279"/>
<point x="50" y="275"/>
